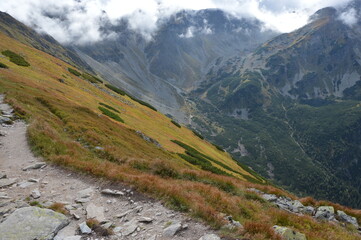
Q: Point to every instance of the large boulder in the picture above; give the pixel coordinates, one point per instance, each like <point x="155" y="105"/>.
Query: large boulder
<point x="325" y="213"/>
<point x="343" y="217"/>
<point x="32" y="223"/>
<point x="289" y="234"/>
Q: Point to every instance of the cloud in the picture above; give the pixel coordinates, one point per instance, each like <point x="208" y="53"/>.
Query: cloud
<point x="81" y="21"/>
<point x="349" y="17"/>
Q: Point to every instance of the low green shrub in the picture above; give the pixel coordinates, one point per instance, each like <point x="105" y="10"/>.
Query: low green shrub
<point x="198" y="134"/>
<point x="91" y="78"/>
<point x="74" y="72"/>
<point x="175" y="123"/>
<point x="16" y="58"/>
<point x="109" y="107"/>
<point x="218" y="147"/>
<point x="111" y="114"/>
<point x="115" y="89"/>
<point x="123" y="93"/>
<point x="2" y="65"/>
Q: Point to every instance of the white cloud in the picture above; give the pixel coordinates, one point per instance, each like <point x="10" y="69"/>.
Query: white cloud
<point x="80" y="20"/>
<point x="349" y="17"/>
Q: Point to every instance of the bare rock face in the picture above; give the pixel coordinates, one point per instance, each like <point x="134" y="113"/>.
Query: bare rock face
<point x="32" y="223"/>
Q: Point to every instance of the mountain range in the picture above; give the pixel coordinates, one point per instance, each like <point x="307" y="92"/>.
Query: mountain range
<point x="287" y="105"/>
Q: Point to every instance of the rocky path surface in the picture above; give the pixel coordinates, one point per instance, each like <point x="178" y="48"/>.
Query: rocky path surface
<point x="26" y="180"/>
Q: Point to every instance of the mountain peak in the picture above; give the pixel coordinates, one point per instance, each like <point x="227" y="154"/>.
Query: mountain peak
<point x="328" y="12"/>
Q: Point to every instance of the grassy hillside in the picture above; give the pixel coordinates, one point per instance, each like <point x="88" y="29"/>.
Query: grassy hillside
<point x="75" y="123"/>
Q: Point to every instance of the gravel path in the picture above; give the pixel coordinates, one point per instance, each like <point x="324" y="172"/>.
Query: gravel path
<point x="131" y="215"/>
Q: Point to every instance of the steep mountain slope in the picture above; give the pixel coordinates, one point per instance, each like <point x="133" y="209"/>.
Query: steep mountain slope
<point x="292" y="108"/>
<point x="15" y="29"/>
<point x="78" y="122"/>
<point x="176" y="59"/>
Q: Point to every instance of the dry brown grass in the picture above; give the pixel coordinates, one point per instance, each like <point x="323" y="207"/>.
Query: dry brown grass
<point x="59" y="207"/>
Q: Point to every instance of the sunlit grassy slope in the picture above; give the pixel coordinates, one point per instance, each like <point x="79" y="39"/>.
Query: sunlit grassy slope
<point x="67" y="127"/>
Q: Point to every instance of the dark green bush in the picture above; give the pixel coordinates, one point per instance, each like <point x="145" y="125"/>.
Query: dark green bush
<point x="91" y="78"/>
<point x="198" y="134"/>
<point x="109" y="107"/>
<point x="16" y="58"/>
<point x="175" y="123"/>
<point x="123" y="93"/>
<point x="111" y="114"/>
<point x="74" y="72"/>
<point x="218" y="147"/>
<point x="115" y="89"/>
<point x="142" y="103"/>
<point x="3" y="65"/>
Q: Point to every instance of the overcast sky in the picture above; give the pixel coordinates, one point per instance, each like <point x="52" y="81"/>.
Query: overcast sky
<point x="79" y="20"/>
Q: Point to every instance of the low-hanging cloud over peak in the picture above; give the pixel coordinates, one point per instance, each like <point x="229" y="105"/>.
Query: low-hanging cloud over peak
<point x="81" y="21"/>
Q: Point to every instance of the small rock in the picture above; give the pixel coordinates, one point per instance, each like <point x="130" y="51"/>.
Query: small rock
<point x="3" y="133"/>
<point x="308" y="210"/>
<point x="35" y="166"/>
<point x="86" y="193"/>
<point x="82" y="200"/>
<point x="129" y="228"/>
<point x="124" y="214"/>
<point x="25" y="184"/>
<point x="5" y="120"/>
<point x="172" y="230"/>
<point x="75" y="216"/>
<point x="210" y="237"/>
<point x="4" y="196"/>
<point x="117" y="229"/>
<point x="288" y="234"/>
<point x="138" y="209"/>
<point x="84" y="229"/>
<point x="2" y="175"/>
<point x="7" y="182"/>
<point x="107" y="225"/>
<point x="95" y="212"/>
<point x="145" y="220"/>
<point x="112" y="192"/>
<point x="35" y="194"/>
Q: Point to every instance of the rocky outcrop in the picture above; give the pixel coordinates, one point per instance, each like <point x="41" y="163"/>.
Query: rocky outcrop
<point x="32" y="223"/>
<point x="322" y="213"/>
<point x="288" y="234"/>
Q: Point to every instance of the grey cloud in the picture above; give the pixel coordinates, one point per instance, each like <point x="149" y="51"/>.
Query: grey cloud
<point x="81" y="21"/>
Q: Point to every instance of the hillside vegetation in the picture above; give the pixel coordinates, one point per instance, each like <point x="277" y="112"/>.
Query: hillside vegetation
<point x="71" y="123"/>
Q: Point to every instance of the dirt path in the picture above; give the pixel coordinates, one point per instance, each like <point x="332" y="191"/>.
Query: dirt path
<point x="131" y="215"/>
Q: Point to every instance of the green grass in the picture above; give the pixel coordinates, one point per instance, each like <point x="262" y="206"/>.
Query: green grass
<point x="15" y="58"/>
<point x="111" y="114"/>
<point x="175" y="123"/>
<point x="2" y="65"/>
<point x="109" y="107"/>
<point x="74" y="72"/>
